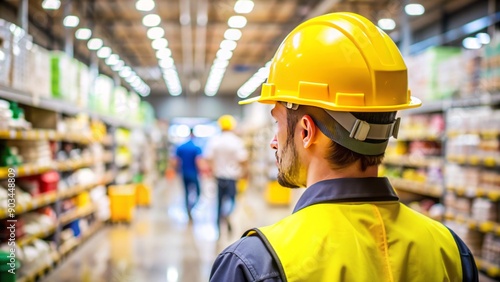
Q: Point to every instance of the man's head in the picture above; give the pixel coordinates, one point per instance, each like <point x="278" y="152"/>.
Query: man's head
<point x="339" y="80"/>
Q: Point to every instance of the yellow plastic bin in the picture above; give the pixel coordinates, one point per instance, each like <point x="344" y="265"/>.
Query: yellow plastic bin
<point x="277" y="194"/>
<point x="143" y="194"/>
<point x="122" y="202"/>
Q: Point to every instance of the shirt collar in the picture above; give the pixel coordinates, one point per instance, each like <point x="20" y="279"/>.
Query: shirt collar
<point x="370" y="189"/>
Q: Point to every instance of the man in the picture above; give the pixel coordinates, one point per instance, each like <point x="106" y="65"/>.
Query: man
<point x="336" y="83"/>
<point x="188" y="155"/>
<point x="226" y="154"/>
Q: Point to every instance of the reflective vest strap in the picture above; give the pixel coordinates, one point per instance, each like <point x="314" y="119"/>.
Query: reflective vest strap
<point x="258" y="233"/>
<point x="469" y="268"/>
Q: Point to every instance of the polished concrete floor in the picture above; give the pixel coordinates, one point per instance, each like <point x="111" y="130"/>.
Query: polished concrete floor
<point x="160" y="244"/>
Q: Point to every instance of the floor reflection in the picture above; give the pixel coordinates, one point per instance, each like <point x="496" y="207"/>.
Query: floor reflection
<point x="161" y="244"/>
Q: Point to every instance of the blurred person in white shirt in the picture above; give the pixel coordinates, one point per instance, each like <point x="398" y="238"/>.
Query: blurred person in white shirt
<point x="227" y="156"/>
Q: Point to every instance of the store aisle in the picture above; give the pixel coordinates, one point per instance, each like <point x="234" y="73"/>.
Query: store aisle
<point x="160" y="244"/>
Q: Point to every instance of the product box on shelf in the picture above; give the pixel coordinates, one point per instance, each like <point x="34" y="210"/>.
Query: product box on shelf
<point x="134" y="101"/>
<point x="436" y="73"/>
<point x="5" y="52"/>
<point x="84" y="82"/>
<point x="119" y="105"/>
<point x="60" y="65"/>
<point x="100" y="98"/>
<point x="22" y="43"/>
<point x="39" y="60"/>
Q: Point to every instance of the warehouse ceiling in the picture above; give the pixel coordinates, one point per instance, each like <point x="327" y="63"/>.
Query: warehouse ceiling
<point x="195" y="29"/>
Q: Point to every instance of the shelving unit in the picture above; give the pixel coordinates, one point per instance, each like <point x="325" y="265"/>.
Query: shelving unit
<point x="46" y="128"/>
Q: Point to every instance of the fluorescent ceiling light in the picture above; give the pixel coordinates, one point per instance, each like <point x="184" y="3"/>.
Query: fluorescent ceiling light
<point x="155" y="33"/>
<point x="237" y="22"/>
<point x="51" y="4"/>
<point x="71" y="21"/>
<point x="83" y="33"/>
<point x="163" y="53"/>
<point x="414" y="9"/>
<point x="220" y="64"/>
<point x="125" y="72"/>
<point x="94" y="44"/>
<point x="112" y="60"/>
<point x="243" y="6"/>
<point x="159" y="43"/>
<point x="104" y="52"/>
<point x="166" y="63"/>
<point x="224" y="54"/>
<point x="387" y="24"/>
<point x="118" y="66"/>
<point x="228" y="45"/>
<point x="484" y="38"/>
<point x="145" y="5"/>
<point x="232" y="34"/>
<point x="151" y="20"/>
<point x="471" y="43"/>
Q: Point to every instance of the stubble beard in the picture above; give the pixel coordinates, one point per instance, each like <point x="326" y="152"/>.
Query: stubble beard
<point x="288" y="173"/>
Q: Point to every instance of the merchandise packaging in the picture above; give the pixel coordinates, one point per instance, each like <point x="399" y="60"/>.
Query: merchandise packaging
<point x="22" y="43"/>
<point x="5" y="52"/>
<point x="436" y="73"/>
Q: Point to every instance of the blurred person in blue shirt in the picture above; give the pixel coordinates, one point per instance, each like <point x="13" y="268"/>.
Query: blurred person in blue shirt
<point x="188" y="155"/>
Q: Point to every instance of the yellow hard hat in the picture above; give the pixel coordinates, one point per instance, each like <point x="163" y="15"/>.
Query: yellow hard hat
<point x="339" y="62"/>
<point x="227" y="122"/>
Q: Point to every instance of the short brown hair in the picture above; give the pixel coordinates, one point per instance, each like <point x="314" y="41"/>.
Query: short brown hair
<point x="339" y="156"/>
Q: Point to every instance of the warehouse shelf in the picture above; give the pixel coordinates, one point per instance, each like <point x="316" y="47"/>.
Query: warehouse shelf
<point x="51" y="197"/>
<point x="27" y="239"/>
<point x="481" y="226"/>
<point x="61" y="107"/>
<point x="412" y="161"/>
<point x="77" y="213"/>
<point x="41" y="271"/>
<point x="492" y="195"/>
<point x="416" y="187"/>
<point x="474" y="160"/>
<point x="489" y="268"/>
<point x="403" y="137"/>
<point x="34" y="169"/>
<point x="64" y="250"/>
<point x="45" y="134"/>
<point x="442" y="105"/>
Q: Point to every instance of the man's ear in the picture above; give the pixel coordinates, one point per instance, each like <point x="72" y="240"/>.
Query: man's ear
<point x="308" y="131"/>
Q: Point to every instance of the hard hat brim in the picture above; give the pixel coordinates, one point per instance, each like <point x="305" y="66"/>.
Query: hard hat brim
<point x="414" y="103"/>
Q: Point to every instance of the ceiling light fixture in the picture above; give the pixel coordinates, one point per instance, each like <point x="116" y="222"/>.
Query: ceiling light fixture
<point x="151" y="20"/>
<point x="414" y="9"/>
<point x="163" y="53"/>
<point x="237" y="22"/>
<point x="484" y="38"/>
<point x="228" y="45"/>
<point x="112" y="60"/>
<point x="155" y="33"/>
<point x="71" y="21"/>
<point x="104" y="52"/>
<point x="51" y="4"/>
<point x="232" y="34"/>
<point x="83" y="33"/>
<point x="471" y="43"/>
<point x="224" y="54"/>
<point x="243" y="6"/>
<point x="159" y="43"/>
<point x="387" y="24"/>
<point x="166" y="63"/>
<point x="254" y="82"/>
<point x="94" y="44"/>
<point x="145" y="5"/>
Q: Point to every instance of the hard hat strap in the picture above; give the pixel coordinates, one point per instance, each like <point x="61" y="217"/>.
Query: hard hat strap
<point x="362" y="130"/>
<point x="341" y="136"/>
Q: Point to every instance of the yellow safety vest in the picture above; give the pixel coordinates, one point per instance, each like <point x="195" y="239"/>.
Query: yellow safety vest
<point x="376" y="241"/>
